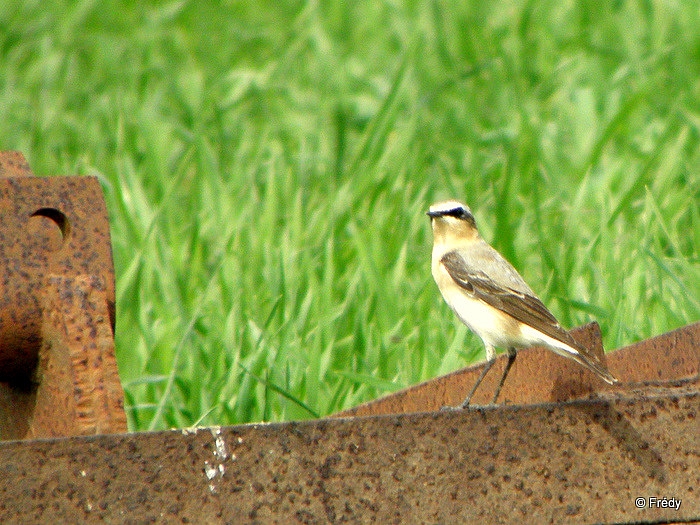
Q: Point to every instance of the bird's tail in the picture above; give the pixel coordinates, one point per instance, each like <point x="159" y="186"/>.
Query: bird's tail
<point x="595" y="367"/>
<point x="583" y="356"/>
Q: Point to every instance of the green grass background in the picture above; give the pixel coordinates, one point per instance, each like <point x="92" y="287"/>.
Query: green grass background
<point x="267" y="166"/>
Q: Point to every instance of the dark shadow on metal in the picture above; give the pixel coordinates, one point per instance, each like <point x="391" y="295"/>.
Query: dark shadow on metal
<point x="629" y="441"/>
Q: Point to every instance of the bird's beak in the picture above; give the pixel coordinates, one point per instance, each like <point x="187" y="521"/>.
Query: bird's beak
<point x="433" y="214"/>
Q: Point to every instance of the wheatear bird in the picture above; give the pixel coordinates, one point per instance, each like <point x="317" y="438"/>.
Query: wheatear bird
<point x="491" y="298"/>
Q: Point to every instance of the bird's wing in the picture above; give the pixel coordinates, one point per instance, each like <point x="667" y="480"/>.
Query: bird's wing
<point x="524" y="307"/>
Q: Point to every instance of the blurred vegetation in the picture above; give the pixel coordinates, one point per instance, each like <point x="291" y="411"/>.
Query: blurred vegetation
<point x="267" y="166"/>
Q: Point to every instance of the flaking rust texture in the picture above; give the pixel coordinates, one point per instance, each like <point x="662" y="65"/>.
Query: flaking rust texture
<point x="584" y="461"/>
<point x="48" y="226"/>
<point x="57" y="308"/>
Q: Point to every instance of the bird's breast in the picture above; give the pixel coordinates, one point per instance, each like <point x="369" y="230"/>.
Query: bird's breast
<point x="490" y="324"/>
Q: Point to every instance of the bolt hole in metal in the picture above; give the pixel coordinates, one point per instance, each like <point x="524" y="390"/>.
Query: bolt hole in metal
<point x="50" y="228"/>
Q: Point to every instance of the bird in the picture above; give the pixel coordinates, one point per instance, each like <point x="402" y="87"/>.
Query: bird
<point x="489" y="296"/>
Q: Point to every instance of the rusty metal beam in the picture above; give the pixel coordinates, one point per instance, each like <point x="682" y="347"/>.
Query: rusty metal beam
<point x="57" y="308"/>
<point x="584" y="461"/>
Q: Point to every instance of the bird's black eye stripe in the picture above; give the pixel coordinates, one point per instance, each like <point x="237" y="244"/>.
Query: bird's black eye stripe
<point x="458" y="213"/>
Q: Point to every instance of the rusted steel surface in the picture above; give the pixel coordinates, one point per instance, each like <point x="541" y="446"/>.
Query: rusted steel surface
<point x="54" y="247"/>
<point x="584" y="461"/>
<point x="79" y="392"/>
<point x="539" y="375"/>
<point x="48" y="226"/>
<point x="669" y="357"/>
<point x="13" y="164"/>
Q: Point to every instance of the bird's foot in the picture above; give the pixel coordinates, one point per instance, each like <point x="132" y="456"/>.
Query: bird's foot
<point x="462" y="406"/>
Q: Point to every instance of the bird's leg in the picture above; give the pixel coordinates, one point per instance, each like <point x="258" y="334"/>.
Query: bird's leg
<point x="490" y="358"/>
<point x="511" y="360"/>
<point x="488" y="366"/>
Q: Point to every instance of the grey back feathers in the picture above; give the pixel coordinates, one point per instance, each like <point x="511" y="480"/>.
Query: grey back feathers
<point x="482" y="257"/>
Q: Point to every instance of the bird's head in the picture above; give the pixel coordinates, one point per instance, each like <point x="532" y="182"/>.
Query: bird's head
<point x="452" y="221"/>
